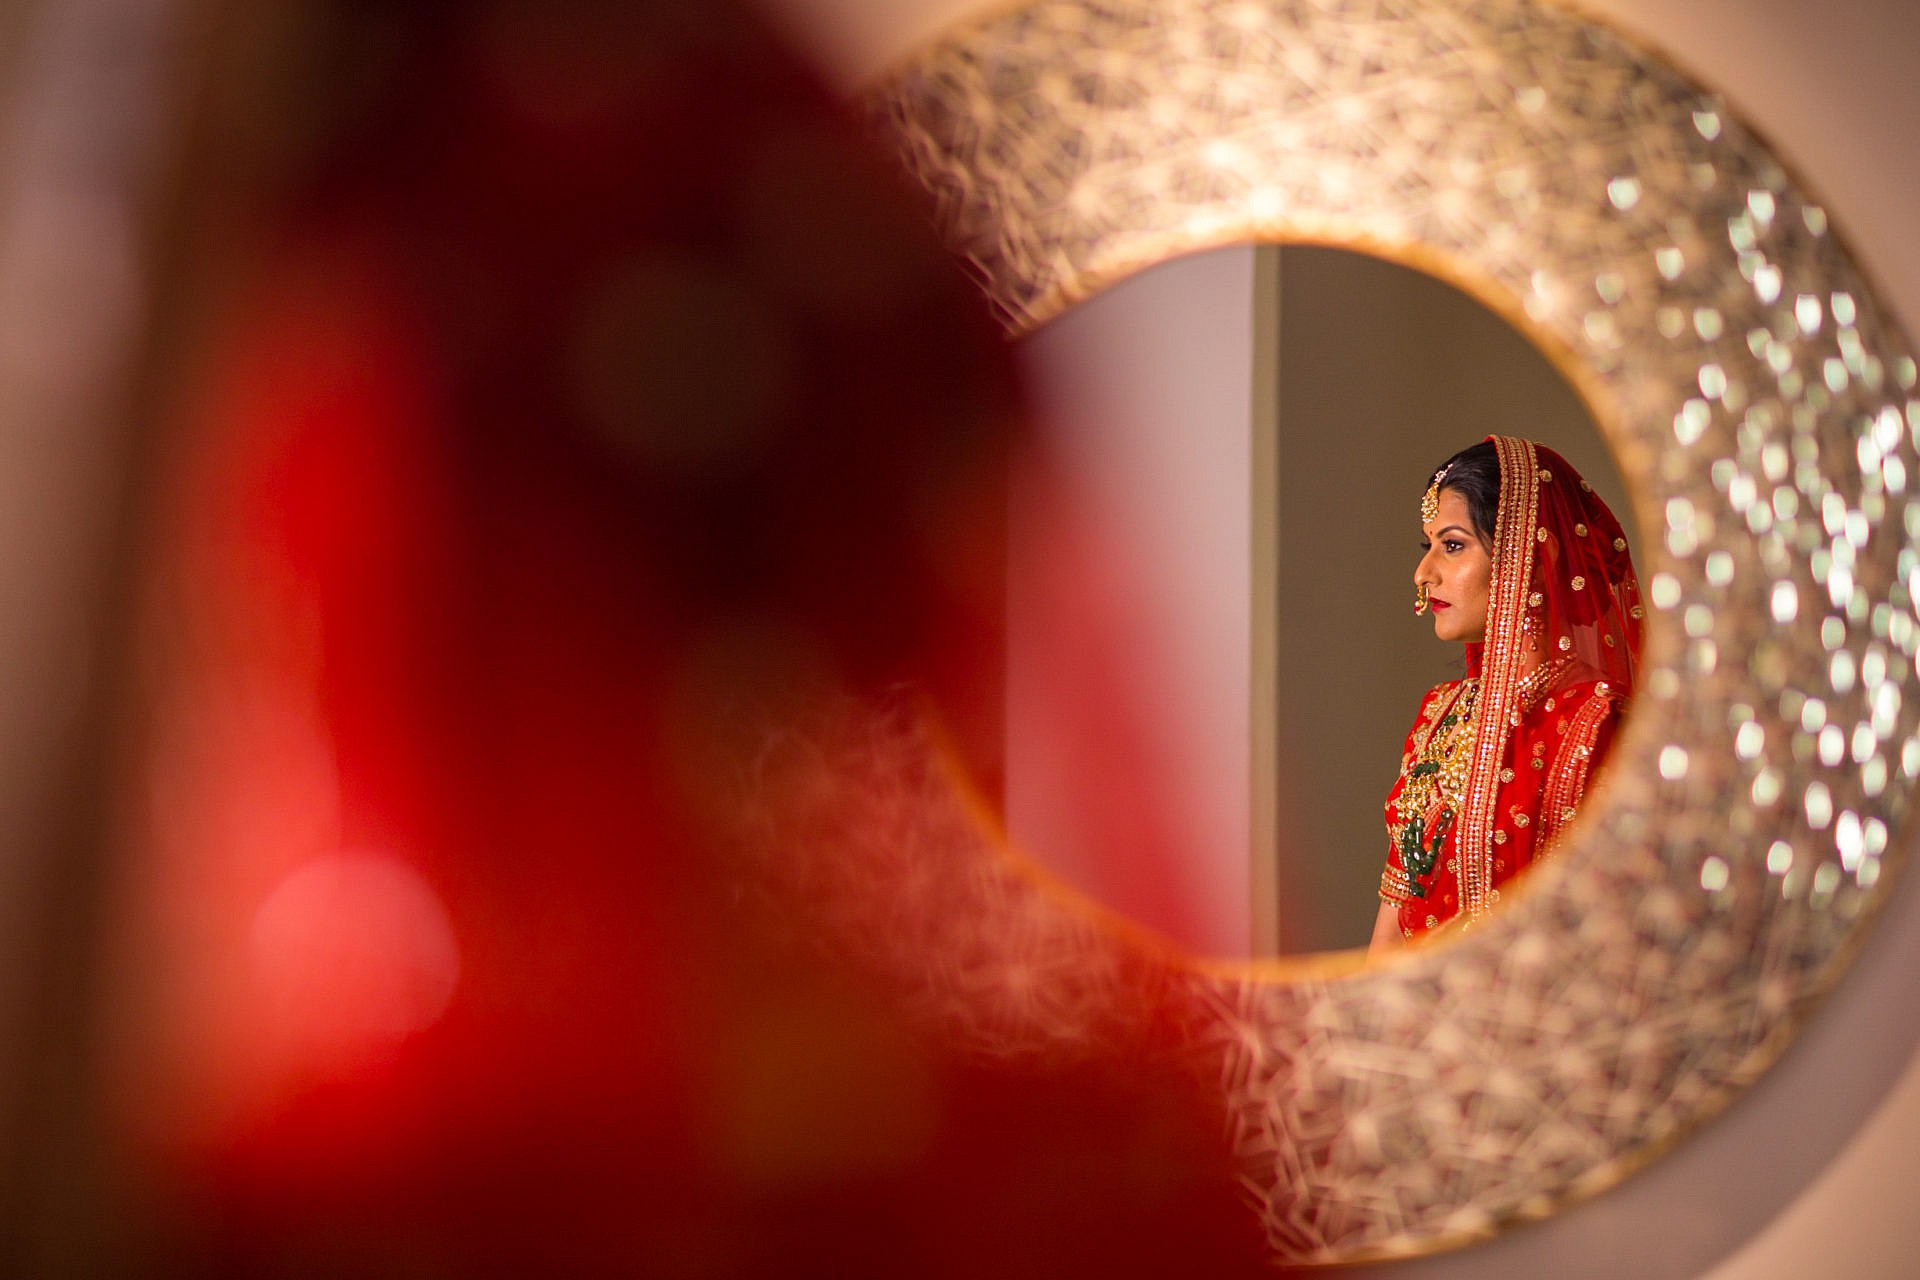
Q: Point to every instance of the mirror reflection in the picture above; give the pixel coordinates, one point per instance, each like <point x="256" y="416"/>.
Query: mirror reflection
<point x="1211" y="680"/>
<point x="1383" y="372"/>
<point x="1525" y="568"/>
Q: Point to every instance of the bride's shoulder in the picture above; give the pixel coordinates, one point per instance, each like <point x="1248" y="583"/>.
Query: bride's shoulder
<point x="1587" y="685"/>
<point x="1439" y="696"/>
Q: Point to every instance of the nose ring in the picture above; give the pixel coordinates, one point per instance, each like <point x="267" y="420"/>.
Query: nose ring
<point x="1419" y="599"/>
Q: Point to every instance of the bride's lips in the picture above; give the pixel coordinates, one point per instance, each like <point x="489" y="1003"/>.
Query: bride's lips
<point x="1438" y="604"/>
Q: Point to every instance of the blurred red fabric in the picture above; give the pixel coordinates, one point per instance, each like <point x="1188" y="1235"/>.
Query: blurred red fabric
<point x="587" y="387"/>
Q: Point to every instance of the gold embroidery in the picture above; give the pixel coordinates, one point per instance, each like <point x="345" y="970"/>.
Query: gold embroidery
<point x="1395" y="888"/>
<point x="1579" y="582"/>
<point x="1527" y="690"/>
<point x="1568" y="781"/>
<point x="1579" y="530"/>
<point x="1517" y="512"/>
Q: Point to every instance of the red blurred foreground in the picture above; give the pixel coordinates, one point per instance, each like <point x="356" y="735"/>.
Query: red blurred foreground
<point x="585" y="400"/>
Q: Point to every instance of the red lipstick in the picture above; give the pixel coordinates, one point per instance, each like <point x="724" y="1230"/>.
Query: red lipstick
<point x="1437" y="604"/>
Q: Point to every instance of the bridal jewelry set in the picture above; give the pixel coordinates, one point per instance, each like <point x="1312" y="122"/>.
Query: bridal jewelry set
<point x="1436" y="780"/>
<point x="1435" y="789"/>
<point x="1429" y="508"/>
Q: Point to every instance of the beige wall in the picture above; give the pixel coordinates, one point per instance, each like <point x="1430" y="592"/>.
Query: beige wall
<point x="1144" y="397"/>
<point x="1811" y="1172"/>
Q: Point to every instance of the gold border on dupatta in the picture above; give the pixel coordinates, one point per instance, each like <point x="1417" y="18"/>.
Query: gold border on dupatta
<point x="1513" y="527"/>
<point x="1567" y="778"/>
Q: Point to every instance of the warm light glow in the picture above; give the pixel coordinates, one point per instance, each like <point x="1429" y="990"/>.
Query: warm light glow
<point x="350" y="955"/>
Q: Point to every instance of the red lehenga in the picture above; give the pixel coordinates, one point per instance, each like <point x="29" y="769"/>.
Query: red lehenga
<point x="1497" y="762"/>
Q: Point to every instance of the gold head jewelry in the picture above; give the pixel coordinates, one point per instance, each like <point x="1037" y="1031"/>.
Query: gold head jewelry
<point x="1419" y="601"/>
<point x="1430" y="501"/>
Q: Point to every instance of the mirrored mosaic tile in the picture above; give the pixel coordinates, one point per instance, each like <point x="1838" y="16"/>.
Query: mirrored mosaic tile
<point x="1762" y="409"/>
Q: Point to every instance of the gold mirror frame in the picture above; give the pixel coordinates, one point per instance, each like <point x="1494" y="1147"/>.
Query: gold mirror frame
<point x="1760" y="404"/>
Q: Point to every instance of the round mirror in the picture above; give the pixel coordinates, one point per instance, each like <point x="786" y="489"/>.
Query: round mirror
<point x="1761" y="408"/>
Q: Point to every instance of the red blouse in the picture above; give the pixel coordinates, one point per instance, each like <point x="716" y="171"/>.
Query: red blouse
<point x="1561" y="739"/>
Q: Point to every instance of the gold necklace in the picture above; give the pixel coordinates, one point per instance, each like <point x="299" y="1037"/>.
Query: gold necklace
<point x="1434" y="789"/>
<point x="1434" y="786"/>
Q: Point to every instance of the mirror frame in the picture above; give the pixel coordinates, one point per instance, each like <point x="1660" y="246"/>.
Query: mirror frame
<point x="1760" y="404"/>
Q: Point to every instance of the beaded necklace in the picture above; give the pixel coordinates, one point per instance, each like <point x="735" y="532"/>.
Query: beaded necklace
<point x="1435" y="788"/>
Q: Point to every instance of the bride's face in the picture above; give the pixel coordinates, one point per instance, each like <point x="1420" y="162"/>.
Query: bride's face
<point x="1455" y="567"/>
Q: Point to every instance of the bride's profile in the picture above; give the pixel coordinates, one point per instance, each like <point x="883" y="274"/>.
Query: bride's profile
<point x="1523" y="565"/>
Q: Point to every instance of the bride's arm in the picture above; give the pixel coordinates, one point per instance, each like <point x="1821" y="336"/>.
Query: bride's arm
<point x="1386" y="930"/>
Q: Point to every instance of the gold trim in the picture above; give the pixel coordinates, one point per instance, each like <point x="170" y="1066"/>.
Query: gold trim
<point x="1499" y="667"/>
<point x="1567" y="775"/>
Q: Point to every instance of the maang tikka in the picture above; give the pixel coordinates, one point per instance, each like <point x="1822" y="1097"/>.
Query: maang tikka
<point x="1429" y="511"/>
<point x="1430" y="500"/>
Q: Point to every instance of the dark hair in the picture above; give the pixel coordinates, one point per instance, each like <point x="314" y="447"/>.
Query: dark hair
<point x="1474" y="473"/>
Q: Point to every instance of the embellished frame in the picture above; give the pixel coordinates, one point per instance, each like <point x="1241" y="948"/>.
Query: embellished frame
<point x="1761" y="406"/>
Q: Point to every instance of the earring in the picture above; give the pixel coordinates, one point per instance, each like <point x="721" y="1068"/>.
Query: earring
<point x="1419" y="600"/>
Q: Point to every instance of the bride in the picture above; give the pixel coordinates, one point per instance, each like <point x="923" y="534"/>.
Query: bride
<point x="1524" y="566"/>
